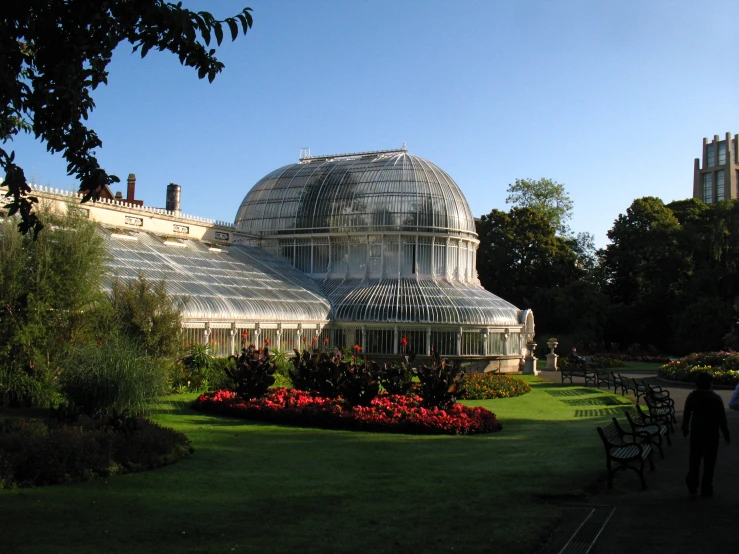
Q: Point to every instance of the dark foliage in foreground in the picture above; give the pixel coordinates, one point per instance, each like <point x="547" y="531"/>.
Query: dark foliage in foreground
<point x="34" y="452"/>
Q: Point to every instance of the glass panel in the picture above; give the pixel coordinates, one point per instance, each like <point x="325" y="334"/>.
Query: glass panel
<point x="287" y="250"/>
<point x="357" y="256"/>
<point x="710" y="155"/>
<point x="220" y="342"/>
<point x="379" y="341"/>
<point x="339" y="254"/>
<point x="303" y="255"/>
<point x="719" y="185"/>
<point x="408" y="256"/>
<point x="472" y="343"/>
<point x="320" y="256"/>
<point x="439" y="258"/>
<point x="390" y="255"/>
<point x="445" y="342"/>
<point x="416" y="339"/>
<point x="707" y="188"/>
<point x="495" y="344"/>
<point x="424" y="256"/>
<point x="722" y="152"/>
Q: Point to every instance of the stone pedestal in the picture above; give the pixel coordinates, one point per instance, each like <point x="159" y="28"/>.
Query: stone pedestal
<point x="552" y="357"/>
<point x="529" y="366"/>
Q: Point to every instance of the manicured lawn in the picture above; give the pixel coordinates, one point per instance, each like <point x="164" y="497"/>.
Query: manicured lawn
<point x="263" y="488"/>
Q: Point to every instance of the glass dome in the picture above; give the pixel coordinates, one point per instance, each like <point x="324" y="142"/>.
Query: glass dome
<point x="387" y="191"/>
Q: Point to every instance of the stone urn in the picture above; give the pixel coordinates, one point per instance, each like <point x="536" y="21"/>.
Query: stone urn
<point x="552" y="357"/>
<point x="529" y="366"/>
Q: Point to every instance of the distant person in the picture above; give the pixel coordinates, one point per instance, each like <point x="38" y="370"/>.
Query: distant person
<point x="734" y="400"/>
<point x="574" y="357"/>
<point x="703" y="417"/>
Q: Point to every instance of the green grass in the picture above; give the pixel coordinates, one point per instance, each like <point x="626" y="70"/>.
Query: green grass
<point x="264" y="488"/>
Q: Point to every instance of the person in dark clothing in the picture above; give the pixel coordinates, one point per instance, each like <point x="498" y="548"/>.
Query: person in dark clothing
<point x="575" y="358"/>
<point x="703" y="417"/>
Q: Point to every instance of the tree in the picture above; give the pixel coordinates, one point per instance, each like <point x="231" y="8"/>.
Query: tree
<point x="544" y="196"/>
<point x="521" y="259"/>
<point x="148" y="315"/>
<point x="49" y="293"/>
<point x="645" y="272"/>
<point x="53" y="53"/>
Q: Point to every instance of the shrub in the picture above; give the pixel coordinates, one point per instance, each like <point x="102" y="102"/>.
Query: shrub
<point x="595" y="362"/>
<point x="361" y="383"/>
<point x="49" y="291"/>
<point x="352" y="378"/>
<point x="397" y="377"/>
<point x="34" y="452"/>
<point x="441" y="382"/>
<point x="316" y="372"/>
<point x="483" y="386"/>
<point x="115" y="375"/>
<point x="283" y="365"/>
<point x="148" y="315"/>
<point x="252" y="374"/>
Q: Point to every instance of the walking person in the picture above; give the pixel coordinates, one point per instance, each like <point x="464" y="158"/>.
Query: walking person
<point x="703" y="417"/>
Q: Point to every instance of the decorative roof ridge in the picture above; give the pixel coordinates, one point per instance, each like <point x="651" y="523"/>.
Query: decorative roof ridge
<point x="306" y="157"/>
<point x="127" y="205"/>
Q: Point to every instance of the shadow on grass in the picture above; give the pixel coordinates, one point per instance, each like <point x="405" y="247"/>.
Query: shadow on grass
<point x="579" y="391"/>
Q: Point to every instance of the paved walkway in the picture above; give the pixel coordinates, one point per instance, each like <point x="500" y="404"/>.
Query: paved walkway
<point x="664" y="518"/>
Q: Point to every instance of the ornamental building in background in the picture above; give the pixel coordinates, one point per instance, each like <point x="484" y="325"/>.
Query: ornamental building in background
<point x="717" y="178"/>
<point x="376" y="249"/>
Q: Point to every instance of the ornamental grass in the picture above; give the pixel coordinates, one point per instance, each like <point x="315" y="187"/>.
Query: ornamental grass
<point x="386" y="413"/>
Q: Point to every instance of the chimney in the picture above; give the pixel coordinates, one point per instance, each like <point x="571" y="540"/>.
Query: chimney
<point x="131" y="193"/>
<point x="174" y="192"/>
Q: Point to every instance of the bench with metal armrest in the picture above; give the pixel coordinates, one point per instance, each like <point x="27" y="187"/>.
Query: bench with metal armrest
<point x="625" y="451"/>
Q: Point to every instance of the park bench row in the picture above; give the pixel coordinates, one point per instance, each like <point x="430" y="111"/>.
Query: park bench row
<point x="619" y="383"/>
<point x="632" y="449"/>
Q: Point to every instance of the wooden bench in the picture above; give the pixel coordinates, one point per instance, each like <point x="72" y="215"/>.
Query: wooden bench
<point x="626" y="451"/>
<point x="589" y="376"/>
<point x="659" y="411"/>
<point x="660" y="397"/>
<point x="605" y="376"/>
<point x="653" y="431"/>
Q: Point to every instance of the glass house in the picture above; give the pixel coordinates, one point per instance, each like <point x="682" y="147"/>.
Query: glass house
<point x="390" y="240"/>
<point x="374" y="249"/>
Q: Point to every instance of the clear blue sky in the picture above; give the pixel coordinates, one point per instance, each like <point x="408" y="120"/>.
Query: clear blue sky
<point x="612" y="99"/>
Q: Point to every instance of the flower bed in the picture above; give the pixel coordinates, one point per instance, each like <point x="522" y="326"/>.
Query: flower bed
<point x="724" y="366"/>
<point x="386" y="413"/>
<point x="595" y="362"/>
<point x="634" y="357"/>
<point x="482" y="386"/>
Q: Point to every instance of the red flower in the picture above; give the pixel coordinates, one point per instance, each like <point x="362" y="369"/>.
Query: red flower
<point x="325" y="341"/>
<point x="403" y="342"/>
<point x="266" y="342"/>
<point x="315" y="339"/>
<point x="357" y="348"/>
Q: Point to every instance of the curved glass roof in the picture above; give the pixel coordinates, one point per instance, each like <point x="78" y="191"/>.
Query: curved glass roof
<point x="236" y="283"/>
<point x="416" y="301"/>
<point x="386" y="191"/>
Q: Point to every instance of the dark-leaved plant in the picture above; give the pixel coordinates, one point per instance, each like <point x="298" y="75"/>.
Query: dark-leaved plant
<point x="252" y="375"/>
<point x="397" y="377"/>
<point x="441" y="383"/>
